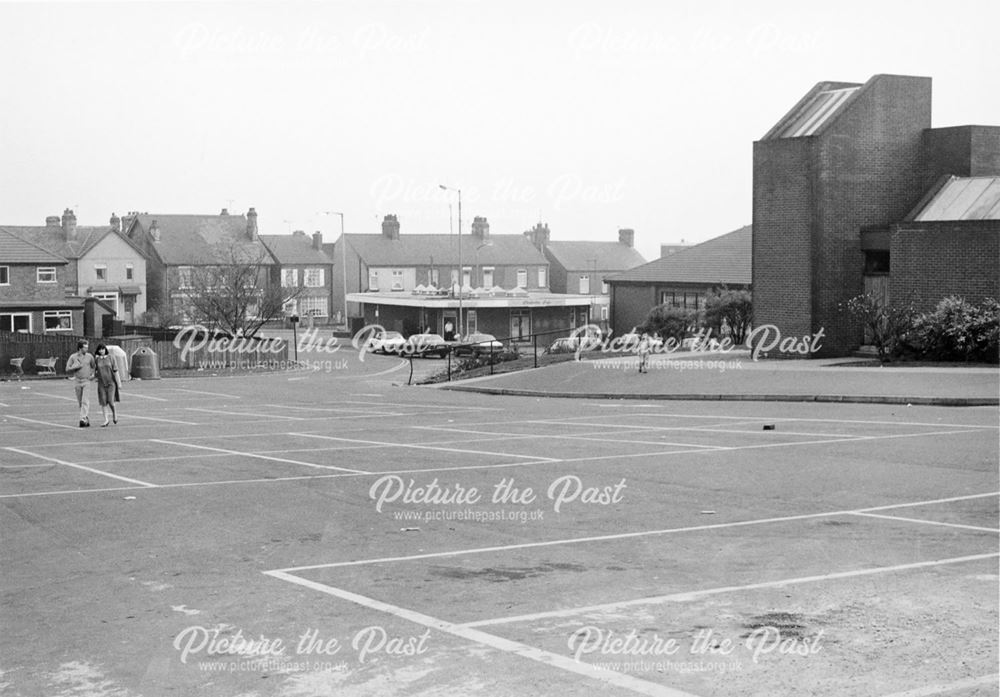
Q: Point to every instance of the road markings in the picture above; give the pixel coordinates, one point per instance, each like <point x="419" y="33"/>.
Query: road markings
<point x="492" y="641"/>
<point x="428" y="447"/>
<point x="82" y="467"/>
<point x="36" y="421"/>
<point x="941" y="689"/>
<point x="927" y="522"/>
<point x="260" y="457"/>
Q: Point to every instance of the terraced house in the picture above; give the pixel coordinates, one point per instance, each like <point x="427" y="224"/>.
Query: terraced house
<point x="306" y="269"/>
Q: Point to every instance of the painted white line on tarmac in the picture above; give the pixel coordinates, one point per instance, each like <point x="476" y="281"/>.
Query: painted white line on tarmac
<point x="213" y="394"/>
<point x="82" y="467"/>
<point x="628" y="535"/>
<point x="696" y="595"/>
<point x="244" y="413"/>
<point x="928" y="522"/>
<point x="492" y="641"/>
<point x="349" y="410"/>
<point x="36" y="421"/>
<point x="146" y="396"/>
<point x="129" y="417"/>
<point x="53" y="396"/>
<point x="945" y="688"/>
<point x="449" y="407"/>
<point x="260" y="457"/>
<point x="427" y="447"/>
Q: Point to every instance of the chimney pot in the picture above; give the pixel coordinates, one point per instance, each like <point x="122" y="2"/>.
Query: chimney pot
<point x="318" y="240"/>
<point x="390" y="227"/>
<point x="52" y="221"/>
<point x="116" y="222"/>
<point x="626" y="236"/>
<point x="225" y="211"/>
<point x="69" y="224"/>
<point x="252" y="224"/>
<point x="154" y="231"/>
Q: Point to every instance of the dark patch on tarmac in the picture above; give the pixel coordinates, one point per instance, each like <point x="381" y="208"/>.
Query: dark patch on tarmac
<point x="790" y="625"/>
<point x="503" y="574"/>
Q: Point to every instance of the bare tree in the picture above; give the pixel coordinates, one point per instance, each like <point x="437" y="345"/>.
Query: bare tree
<point x="237" y="295"/>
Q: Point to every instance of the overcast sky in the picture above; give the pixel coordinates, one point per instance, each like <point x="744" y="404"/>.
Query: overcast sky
<point x="589" y="116"/>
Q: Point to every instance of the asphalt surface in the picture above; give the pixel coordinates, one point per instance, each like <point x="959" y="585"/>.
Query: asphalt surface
<point x="332" y="531"/>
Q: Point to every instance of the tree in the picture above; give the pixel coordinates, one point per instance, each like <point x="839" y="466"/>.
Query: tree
<point x="237" y="295"/>
<point x="729" y="311"/>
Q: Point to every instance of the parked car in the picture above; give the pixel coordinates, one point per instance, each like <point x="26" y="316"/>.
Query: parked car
<point x="478" y="344"/>
<point x="425" y="346"/>
<point x="387" y="342"/>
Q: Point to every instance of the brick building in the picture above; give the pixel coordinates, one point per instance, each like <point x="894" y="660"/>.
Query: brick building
<point x="307" y="269"/>
<point x="850" y="158"/>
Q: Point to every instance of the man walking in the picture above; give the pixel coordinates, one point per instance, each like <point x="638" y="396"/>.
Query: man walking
<point x="82" y="367"/>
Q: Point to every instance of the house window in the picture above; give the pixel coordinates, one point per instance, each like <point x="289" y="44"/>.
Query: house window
<point x="129" y="305"/>
<point x="466" y="276"/>
<point x="584" y="285"/>
<point x="290" y="307"/>
<point x="435" y="277"/>
<point x="129" y="272"/>
<point x="4" y="275"/>
<point x="876" y="261"/>
<point x="604" y="312"/>
<point x="15" y="322"/>
<point x="522" y="278"/>
<point x="397" y="279"/>
<point x="289" y="278"/>
<point x="604" y="287"/>
<point x="108" y="298"/>
<point x="472" y="321"/>
<point x="184" y="276"/>
<point x="46" y="274"/>
<point x="101" y="272"/>
<point x="58" y="320"/>
<point x="314" y="278"/>
<point x="372" y="279"/>
<point x="454" y="277"/>
<point x="316" y="306"/>
<point x="542" y="277"/>
<point x="488" y="277"/>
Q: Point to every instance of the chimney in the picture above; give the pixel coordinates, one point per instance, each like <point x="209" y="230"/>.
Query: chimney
<point x="299" y="233"/>
<point x="481" y="229"/>
<point x="52" y="221"/>
<point x="252" y="224"/>
<point x="116" y="223"/>
<point x="626" y="236"/>
<point x="154" y="231"/>
<point x="318" y="240"/>
<point x="225" y="211"/>
<point x="390" y="227"/>
<point x="539" y="235"/>
<point x="69" y="224"/>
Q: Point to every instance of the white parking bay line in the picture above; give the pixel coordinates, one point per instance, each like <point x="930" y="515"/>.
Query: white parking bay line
<point x="156" y="418"/>
<point x="427" y="447"/>
<point x="146" y="396"/>
<point x="81" y="467"/>
<point x="261" y="457"/>
<point x="244" y="413"/>
<point x="213" y="394"/>
<point x="36" y="421"/>
<point x="492" y="641"/>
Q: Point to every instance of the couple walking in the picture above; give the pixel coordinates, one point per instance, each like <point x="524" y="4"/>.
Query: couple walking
<point x="100" y="368"/>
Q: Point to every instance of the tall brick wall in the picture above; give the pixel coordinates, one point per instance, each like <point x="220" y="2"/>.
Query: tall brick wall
<point x="868" y="173"/>
<point x="783" y="206"/>
<point x="630" y="304"/>
<point x="931" y="260"/>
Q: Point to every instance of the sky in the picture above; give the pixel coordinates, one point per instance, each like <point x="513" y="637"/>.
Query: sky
<point x="587" y="116"/>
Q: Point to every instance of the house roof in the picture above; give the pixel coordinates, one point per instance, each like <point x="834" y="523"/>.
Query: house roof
<point x="193" y="240"/>
<point x="724" y="259"/>
<point x="583" y="255"/>
<point x="54" y="239"/>
<point x="960" y="198"/>
<point x="14" y="249"/>
<point x="295" y="249"/>
<point x="412" y="250"/>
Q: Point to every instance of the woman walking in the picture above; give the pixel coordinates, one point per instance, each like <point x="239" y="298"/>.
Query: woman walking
<point x="108" y="383"/>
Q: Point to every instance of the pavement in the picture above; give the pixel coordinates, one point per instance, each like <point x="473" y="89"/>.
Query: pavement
<point x="734" y="376"/>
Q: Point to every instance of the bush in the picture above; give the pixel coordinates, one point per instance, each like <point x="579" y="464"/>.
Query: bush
<point x="887" y="325"/>
<point x="960" y="331"/>
<point x="670" y="322"/>
<point x="729" y="312"/>
<point x="507" y="353"/>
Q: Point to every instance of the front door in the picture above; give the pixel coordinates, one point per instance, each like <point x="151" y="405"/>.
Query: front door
<point x="520" y="325"/>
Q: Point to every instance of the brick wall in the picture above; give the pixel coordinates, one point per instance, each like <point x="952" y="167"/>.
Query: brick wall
<point x="932" y="260"/>
<point x="24" y="283"/>
<point x="630" y="304"/>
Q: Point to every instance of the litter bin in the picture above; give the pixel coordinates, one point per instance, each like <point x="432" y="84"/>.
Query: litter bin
<point x="145" y="365"/>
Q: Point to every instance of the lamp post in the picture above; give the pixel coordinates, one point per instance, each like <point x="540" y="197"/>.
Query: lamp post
<point x="343" y="257"/>
<point x="460" y="270"/>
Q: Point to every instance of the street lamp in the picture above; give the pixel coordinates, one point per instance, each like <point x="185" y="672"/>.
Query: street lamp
<point x="343" y="257"/>
<point x="460" y="270"/>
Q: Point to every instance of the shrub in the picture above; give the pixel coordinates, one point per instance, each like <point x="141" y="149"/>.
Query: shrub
<point x="729" y="312"/>
<point x="960" y="331"/>
<point x="888" y="325"/>
<point x="670" y="322"/>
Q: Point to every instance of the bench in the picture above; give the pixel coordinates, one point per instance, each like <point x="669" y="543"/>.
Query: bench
<point x="46" y="366"/>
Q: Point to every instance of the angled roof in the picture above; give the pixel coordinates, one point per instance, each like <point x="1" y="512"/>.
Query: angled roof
<point x="815" y="110"/>
<point x="52" y="238"/>
<point x="17" y="250"/>
<point x="961" y="198"/>
<point x="724" y="259"/>
<point x="295" y="249"/>
<point x="417" y="250"/>
<point x="583" y="255"/>
<point x="193" y="240"/>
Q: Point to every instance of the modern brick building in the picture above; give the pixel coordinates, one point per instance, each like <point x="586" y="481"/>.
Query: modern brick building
<point x="852" y="158"/>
